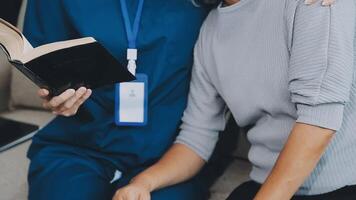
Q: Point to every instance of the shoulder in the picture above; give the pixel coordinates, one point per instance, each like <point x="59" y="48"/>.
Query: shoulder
<point x="207" y="33"/>
<point x="342" y="12"/>
<point x="293" y="6"/>
<point x="209" y="26"/>
<point x="302" y="18"/>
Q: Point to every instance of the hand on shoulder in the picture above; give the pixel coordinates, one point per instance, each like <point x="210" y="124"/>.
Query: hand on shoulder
<point x="324" y="2"/>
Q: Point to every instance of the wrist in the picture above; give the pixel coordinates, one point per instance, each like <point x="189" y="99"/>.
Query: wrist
<point x="144" y="181"/>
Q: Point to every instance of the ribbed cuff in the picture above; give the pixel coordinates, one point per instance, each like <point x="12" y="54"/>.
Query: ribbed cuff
<point x="328" y="116"/>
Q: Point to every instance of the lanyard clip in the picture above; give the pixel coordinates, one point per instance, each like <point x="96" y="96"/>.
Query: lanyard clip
<point x="132" y="57"/>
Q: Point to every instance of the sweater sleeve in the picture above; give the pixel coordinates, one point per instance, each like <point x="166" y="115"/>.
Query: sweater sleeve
<point x="204" y="116"/>
<point x="322" y="62"/>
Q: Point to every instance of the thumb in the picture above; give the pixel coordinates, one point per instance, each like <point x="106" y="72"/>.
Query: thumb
<point x="43" y="93"/>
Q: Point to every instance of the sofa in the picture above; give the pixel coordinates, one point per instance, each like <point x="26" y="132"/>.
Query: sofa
<point x="18" y="101"/>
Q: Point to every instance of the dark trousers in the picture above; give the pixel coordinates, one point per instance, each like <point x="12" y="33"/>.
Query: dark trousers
<point x="248" y="191"/>
<point x="60" y="174"/>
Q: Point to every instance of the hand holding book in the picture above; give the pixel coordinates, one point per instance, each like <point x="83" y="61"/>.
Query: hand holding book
<point x="62" y="65"/>
<point x="66" y="104"/>
<point x="64" y="70"/>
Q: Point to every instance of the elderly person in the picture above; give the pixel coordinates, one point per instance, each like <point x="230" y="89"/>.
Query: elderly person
<point x="287" y="70"/>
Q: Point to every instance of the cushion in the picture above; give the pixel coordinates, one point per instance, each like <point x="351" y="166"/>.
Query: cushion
<point x="40" y="118"/>
<point x="14" y="167"/>
<point x="5" y="77"/>
<point x="13" y="162"/>
<point x="23" y="92"/>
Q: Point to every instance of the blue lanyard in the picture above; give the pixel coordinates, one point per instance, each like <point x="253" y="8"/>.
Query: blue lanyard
<point x="132" y="31"/>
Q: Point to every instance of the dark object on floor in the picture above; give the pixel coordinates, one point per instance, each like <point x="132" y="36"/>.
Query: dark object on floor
<point x="13" y="133"/>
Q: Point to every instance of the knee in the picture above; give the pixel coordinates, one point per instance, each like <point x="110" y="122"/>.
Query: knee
<point x="69" y="179"/>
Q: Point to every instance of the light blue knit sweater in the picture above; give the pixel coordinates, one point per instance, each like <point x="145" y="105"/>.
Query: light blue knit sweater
<point x="272" y="63"/>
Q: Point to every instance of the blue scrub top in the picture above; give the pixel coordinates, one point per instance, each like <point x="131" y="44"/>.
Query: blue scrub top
<point x="166" y="39"/>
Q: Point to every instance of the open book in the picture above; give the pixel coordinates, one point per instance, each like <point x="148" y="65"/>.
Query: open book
<point x="62" y="65"/>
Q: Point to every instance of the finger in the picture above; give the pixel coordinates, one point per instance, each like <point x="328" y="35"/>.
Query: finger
<point x="131" y="196"/>
<point x="143" y="197"/>
<point x="74" y="109"/>
<point x="43" y="93"/>
<point x="78" y="94"/>
<point x="45" y="104"/>
<point x="123" y="196"/>
<point x="147" y="196"/>
<point x="82" y="99"/>
<point x="68" y="112"/>
<point x="309" y="2"/>
<point x="328" y="2"/>
<point x="116" y="196"/>
<point x="58" y="100"/>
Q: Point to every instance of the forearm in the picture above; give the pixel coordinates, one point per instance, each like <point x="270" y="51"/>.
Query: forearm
<point x="299" y="157"/>
<point x="179" y="164"/>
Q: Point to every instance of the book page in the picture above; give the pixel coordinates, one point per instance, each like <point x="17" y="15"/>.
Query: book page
<point x="27" y="46"/>
<point x="11" y="39"/>
<point x="48" y="48"/>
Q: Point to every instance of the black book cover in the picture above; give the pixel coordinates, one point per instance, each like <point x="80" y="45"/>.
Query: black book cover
<point x="89" y="65"/>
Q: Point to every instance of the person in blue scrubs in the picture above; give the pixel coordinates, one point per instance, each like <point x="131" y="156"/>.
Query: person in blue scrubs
<point x="86" y="155"/>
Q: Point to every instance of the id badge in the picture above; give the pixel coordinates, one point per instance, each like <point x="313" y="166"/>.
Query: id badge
<point x="131" y="102"/>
